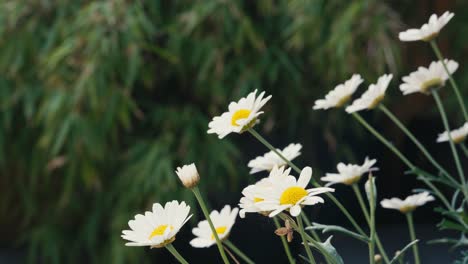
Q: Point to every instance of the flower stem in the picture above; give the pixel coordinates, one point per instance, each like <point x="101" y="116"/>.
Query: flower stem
<point x="452" y="81"/>
<point x="409" y="217"/>
<point x="372" y="222"/>
<point x="175" y="253"/>
<point x="316" y="184"/>
<point x="452" y="145"/>
<point x="464" y="149"/>
<point x="285" y="243"/>
<point x="313" y="232"/>
<point x="361" y="202"/>
<point x="304" y="239"/>
<point x="416" y="142"/>
<point x="238" y="251"/>
<point x="197" y="194"/>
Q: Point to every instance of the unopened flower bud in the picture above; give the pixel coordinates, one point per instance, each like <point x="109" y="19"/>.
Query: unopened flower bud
<point x="188" y="175"/>
<point x="378" y="258"/>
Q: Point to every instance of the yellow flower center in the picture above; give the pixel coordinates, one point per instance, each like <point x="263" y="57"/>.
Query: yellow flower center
<point x="239" y="114"/>
<point x="256" y="200"/>
<point x="159" y="231"/>
<point x="431" y="84"/>
<point x="292" y="195"/>
<point x="343" y="101"/>
<point x="220" y="231"/>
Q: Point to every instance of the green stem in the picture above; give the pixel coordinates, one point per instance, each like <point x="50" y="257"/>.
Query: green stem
<point x="316" y="184"/>
<point x="269" y="146"/>
<point x="416" y="142"/>
<point x="308" y="223"/>
<point x="197" y="194"/>
<point x="239" y="253"/>
<point x="409" y="217"/>
<point x="304" y="239"/>
<point x="372" y="222"/>
<point x="464" y="149"/>
<point x="452" y="81"/>
<point x="381" y="248"/>
<point x="361" y="202"/>
<point x="452" y="145"/>
<point x="285" y="243"/>
<point x="175" y="253"/>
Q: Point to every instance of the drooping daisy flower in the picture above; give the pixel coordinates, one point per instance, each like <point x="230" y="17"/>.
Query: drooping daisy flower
<point x="340" y="95"/>
<point x="222" y="221"/>
<point x="424" y="80"/>
<point x="458" y="135"/>
<point x="429" y="30"/>
<point x="158" y="227"/>
<point x="188" y="175"/>
<point x="240" y="116"/>
<point x="349" y="173"/>
<point x="373" y="96"/>
<point x="287" y="193"/>
<point x="409" y="204"/>
<point x="271" y="159"/>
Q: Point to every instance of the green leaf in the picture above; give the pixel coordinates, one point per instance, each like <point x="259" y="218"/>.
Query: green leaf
<point x="328" y="250"/>
<point x="334" y="228"/>
<point x="400" y="254"/>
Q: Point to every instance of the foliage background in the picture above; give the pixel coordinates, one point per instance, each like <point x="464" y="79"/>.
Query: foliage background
<point x="101" y="100"/>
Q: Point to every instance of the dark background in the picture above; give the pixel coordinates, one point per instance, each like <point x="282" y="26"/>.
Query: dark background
<point x="102" y="100"/>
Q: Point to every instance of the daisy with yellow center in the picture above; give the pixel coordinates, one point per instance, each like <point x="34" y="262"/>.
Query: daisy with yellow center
<point x="409" y="204"/>
<point x="425" y="80"/>
<point x="253" y="194"/>
<point x="349" y="173"/>
<point x="428" y="31"/>
<point x="457" y="135"/>
<point x="240" y="116"/>
<point x="339" y="96"/>
<point x="158" y="227"/>
<point x="288" y="194"/>
<point x="222" y="221"/>
<point x="372" y="97"/>
<point x="268" y="161"/>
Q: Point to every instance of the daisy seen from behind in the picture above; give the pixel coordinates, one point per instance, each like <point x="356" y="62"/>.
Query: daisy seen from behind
<point x="457" y="135"/>
<point x="424" y="80"/>
<point x="409" y="204"/>
<point x="349" y="173"/>
<point x="240" y="116"/>
<point x="270" y="159"/>
<point x="371" y="98"/>
<point x="223" y="222"/>
<point x="428" y="31"/>
<point x="290" y="194"/>
<point x="340" y="95"/>
<point x="157" y="228"/>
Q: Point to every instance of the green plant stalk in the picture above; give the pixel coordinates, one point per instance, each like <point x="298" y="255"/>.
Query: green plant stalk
<point x="285" y="243"/>
<point x="355" y="188"/>
<point x="316" y="184"/>
<point x="238" y="252"/>
<point x="372" y="223"/>
<point x="436" y="49"/>
<point x="197" y="194"/>
<point x="409" y="217"/>
<point x="401" y="156"/>
<point x="436" y="96"/>
<point x="307" y="222"/>
<point x="464" y="149"/>
<point x="329" y="195"/>
<point x="175" y="253"/>
<point x="416" y="142"/>
<point x="304" y="239"/>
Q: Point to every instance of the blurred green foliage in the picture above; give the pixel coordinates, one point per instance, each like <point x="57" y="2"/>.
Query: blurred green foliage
<point x="101" y="100"/>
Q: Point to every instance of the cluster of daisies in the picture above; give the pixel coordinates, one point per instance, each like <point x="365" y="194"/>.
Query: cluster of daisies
<point x="280" y="192"/>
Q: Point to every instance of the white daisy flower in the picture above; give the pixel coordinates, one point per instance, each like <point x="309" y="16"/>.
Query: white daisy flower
<point x="409" y="204"/>
<point x="340" y="95"/>
<point x="158" y="227"/>
<point x="373" y="96"/>
<point x="287" y="193"/>
<point x="222" y="221"/>
<point x="458" y="135"/>
<point x="429" y="30"/>
<point x="268" y="161"/>
<point x="188" y="175"/>
<point x="252" y="196"/>
<point x="241" y="115"/>
<point x="425" y="79"/>
<point x="349" y="173"/>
